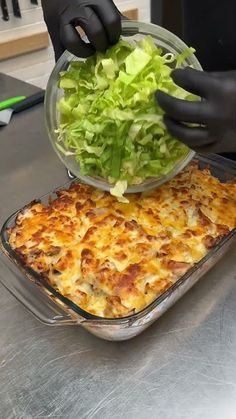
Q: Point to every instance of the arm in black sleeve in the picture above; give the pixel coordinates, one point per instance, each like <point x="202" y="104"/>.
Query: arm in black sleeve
<point x="210" y="27"/>
<point x="52" y="20"/>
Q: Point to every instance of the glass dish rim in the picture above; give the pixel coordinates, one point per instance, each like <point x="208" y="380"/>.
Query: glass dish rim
<point x="68" y="304"/>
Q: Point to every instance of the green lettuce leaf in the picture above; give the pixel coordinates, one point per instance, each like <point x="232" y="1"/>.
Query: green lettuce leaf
<point x="109" y="119"/>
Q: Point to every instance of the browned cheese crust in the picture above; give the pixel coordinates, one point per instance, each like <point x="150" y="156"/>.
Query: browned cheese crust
<point x="113" y="259"/>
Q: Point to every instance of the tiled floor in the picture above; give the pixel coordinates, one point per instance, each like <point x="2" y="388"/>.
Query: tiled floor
<point x="34" y="68"/>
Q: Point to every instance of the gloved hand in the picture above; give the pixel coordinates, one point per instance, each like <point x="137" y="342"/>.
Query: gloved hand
<point x="216" y="113"/>
<point x="100" y="20"/>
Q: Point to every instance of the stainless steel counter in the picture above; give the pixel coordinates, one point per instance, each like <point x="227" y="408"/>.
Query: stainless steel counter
<point x="182" y="367"/>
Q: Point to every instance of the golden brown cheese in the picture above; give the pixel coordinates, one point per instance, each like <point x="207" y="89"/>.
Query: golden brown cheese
<point x="113" y="259"/>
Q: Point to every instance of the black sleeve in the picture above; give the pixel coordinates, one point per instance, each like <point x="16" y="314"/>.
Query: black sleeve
<point x="51" y="18"/>
<point x="210" y="27"/>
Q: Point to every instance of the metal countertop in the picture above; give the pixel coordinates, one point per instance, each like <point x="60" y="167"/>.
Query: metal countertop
<point x="182" y="367"/>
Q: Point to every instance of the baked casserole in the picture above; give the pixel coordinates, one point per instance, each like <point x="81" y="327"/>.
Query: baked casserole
<point x="113" y="259"/>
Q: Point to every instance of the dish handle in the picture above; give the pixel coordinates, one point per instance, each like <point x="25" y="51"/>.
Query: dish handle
<point x="33" y="297"/>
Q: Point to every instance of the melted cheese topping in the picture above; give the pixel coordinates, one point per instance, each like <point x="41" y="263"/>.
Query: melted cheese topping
<point x="113" y="259"/>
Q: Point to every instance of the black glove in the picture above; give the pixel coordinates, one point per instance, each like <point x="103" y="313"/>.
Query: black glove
<point x="216" y="113"/>
<point x="100" y="20"/>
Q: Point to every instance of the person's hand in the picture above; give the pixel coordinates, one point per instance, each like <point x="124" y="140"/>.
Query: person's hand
<point x="100" y="20"/>
<point x="215" y="114"/>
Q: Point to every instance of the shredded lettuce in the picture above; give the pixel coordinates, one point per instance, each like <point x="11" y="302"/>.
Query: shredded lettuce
<point x="119" y="189"/>
<point x="109" y="119"/>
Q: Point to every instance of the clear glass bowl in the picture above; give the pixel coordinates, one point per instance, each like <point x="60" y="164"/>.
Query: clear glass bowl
<point x="132" y="31"/>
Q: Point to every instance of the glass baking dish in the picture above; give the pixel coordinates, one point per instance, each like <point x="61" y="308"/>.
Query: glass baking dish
<point x="52" y="308"/>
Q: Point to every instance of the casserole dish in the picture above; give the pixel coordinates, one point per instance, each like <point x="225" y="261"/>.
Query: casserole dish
<point x="132" y="32"/>
<point x="53" y="309"/>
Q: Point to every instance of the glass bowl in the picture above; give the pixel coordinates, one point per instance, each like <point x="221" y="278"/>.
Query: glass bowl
<point x="132" y="31"/>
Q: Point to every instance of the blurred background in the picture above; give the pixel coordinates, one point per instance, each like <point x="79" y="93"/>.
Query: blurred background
<point x="25" y="49"/>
